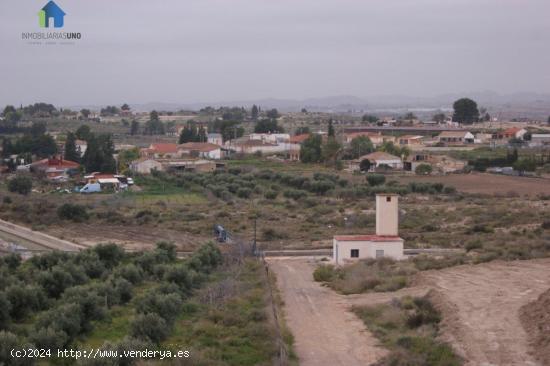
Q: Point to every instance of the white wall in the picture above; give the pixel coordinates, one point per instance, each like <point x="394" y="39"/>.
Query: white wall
<point x="367" y="249"/>
<point x="387" y="222"/>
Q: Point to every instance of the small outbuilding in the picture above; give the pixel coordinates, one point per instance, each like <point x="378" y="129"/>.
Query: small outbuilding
<point x="385" y="243"/>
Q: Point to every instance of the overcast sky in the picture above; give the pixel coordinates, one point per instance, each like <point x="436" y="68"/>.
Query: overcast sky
<point x="187" y="51"/>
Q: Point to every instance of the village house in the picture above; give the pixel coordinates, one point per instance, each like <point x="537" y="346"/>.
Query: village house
<point x="273" y="138"/>
<point x="385" y="243"/>
<point x="456" y="137"/>
<point x="376" y="138"/>
<point x="295" y="145"/>
<point x="147" y="166"/>
<point x="204" y="150"/>
<point x="510" y="133"/>
<point x="255" y="146"/>
<point x="410" y="140"/>
<point x="160" y="150"/>
<point x="215" y="138"/>
<point x="57" y="168"/>
<point x="378" y="159"/>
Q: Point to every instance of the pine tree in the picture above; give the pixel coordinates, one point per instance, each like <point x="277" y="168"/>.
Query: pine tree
<point x="331" y="132"/>
<point x="71" y="152"/>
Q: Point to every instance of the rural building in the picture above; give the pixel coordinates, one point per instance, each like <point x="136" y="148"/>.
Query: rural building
<point x="510" y="133"/>
<point x="55" y="168"/>
<point x="410" y="140"/>
<point x="273" y="138"/>
<point x="254" y="146"/>
<point x="160" y="150"/>
<point x="145" y="166"/>
<point x="539" y="139"/>
<point x="204" y="150"/>
<point x="215" y="138"/>
<point x="456" y="137"/>
<point x="378" y="159"/>
<point x="385" y="243"/>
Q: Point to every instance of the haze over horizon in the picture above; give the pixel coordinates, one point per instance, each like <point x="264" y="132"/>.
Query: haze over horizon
<point x="215" y="50"/>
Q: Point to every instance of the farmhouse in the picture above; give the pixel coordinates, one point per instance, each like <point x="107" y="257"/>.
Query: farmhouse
<point x="378" y="159"/>
<point x="55" y="168"/>
<point x="510" y="133"/>
<point x="456" y="137"/>
<point x="385" y="243"/>
<point x="410" y="140"/>
<point x="145" y="166"/>
<point x="160" y="150"/>
<point x="201" y="149"/>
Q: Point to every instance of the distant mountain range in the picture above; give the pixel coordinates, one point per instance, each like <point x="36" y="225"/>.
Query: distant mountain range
<point x="522" y="102"/>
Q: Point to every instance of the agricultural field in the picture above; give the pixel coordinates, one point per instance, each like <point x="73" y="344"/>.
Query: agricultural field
<point x="213" y="305"/>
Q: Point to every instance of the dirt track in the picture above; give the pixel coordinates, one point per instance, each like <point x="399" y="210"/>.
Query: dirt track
<point x="480" y="307"/>
<point x="325" y="331"/>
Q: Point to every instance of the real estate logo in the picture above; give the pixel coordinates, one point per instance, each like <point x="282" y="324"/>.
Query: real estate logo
<point x="51" y="11"/>
<point x="51" y="16"/>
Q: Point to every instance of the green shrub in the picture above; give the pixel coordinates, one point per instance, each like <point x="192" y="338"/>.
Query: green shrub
<point x="423" y="169"/>
<point x="375" y="179"/>
<point x="20" y="184"/>
<point x="72" y="212"/>
<point x="324" y="273"/>
<point x="5" y="309"/>
<point x="150" y="327"/>
<point x="271" y="194"/>
<point x="472" y="245"/>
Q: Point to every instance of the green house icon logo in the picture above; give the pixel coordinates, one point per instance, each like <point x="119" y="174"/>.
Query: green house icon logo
<point x="51" y="15"/>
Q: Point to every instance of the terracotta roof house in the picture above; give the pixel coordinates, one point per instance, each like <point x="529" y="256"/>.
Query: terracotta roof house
<point x="55" y="168"/>
<point x="158" y="150"/>
<point x="510" y="133"/>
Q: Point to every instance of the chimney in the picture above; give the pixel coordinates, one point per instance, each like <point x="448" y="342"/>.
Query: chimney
<point x="387" y="214"/>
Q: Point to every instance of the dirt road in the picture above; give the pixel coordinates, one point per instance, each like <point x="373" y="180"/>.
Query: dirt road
<point x="480" y="310"/>
<point x="325" y="331"/>
<point x="482" y="307"/>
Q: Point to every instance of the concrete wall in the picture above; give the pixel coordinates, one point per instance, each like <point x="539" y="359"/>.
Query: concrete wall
<point x="387" y="221"/>
<point x="367" y="249"/>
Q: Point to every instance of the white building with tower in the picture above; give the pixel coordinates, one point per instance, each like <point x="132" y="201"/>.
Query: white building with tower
<point x="385" y="243"/>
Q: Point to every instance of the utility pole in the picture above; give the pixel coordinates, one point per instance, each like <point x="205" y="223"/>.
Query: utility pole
<point x="255" y="226"/>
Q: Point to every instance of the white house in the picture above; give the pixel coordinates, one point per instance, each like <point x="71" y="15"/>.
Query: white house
<point x="378" y="159"/>
<point x="215" y="138"/>
<point x="540" y="139"/>
<point x="204" y="150"/>
<point x="385" y="243"/>
<point x="456" y="137"/>
<point x="145" y="166"/>
<point x="272" y="138"/>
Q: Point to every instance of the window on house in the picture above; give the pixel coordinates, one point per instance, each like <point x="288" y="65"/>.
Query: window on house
<point x="388" y="199"/>
<point x="355" y="253"/>
<point x="379" y="253"/>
